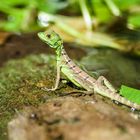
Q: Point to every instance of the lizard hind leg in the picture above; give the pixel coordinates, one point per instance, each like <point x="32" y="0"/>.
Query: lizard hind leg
<point x="102" y="81"/>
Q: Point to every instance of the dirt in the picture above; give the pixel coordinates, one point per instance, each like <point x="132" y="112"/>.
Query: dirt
<point x="71" y="118"/>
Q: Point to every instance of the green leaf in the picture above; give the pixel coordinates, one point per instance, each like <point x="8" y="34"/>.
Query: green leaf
<point x="20" y="15"/>
<point x="134" y="20"/>
<point x="101" y="11"/>
<point x="131" y="94"/>
<point x="126" y="4"/>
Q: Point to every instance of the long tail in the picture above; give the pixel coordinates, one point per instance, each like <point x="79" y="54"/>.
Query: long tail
<point x="114" y="95"/>
<point x="120" y="99"/>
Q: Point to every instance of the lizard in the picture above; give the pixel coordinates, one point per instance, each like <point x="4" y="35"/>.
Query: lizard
<point x="78" y="76"/>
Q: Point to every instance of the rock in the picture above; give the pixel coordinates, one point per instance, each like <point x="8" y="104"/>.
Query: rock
<point x="70" y="118"/>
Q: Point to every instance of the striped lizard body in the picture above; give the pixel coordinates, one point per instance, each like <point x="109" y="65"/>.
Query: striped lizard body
<point x="79" y="77"/>
<point x="76" y="75"/>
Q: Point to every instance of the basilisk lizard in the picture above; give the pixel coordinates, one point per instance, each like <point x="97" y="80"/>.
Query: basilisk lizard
<point x="77" y="76"/>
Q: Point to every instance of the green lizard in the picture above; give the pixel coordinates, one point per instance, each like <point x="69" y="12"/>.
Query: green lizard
<point x="76" y="75"/>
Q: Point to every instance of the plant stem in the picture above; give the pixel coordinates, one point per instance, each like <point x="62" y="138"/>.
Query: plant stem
<point x="86" y="14"/>
<point x="113" y="8"/>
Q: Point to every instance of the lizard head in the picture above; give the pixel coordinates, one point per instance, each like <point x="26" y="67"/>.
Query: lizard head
<point x="51" y="38"/>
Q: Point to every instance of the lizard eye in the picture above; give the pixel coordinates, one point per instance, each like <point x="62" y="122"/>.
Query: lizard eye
<point x="48" y="35"/>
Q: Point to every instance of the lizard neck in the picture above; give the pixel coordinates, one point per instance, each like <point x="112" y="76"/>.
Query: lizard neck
<point x="59" y="52"/>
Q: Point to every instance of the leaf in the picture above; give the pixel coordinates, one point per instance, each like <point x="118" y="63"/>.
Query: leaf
<point x="126" y="4"/>
<point x="130" y="93"/>
<point x="134" y="20"/>
<point x="21" y="14"/>
<point x="101" y="11"/>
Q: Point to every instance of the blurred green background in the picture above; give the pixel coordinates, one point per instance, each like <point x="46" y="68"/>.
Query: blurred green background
<point x="22" y="15"/>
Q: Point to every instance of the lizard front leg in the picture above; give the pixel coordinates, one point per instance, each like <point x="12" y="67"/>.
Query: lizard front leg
<point x="56" y="81"/>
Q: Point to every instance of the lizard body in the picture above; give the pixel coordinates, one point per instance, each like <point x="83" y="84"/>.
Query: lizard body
<point x="77" y="76"/>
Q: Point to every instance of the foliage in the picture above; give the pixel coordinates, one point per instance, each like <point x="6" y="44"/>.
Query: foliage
<point x="131" y="7"/>
<point x="21" y="15"/>
<point x="130" y="93"/>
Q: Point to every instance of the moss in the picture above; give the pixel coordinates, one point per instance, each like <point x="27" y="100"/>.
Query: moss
<point x="18" y="85"/>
